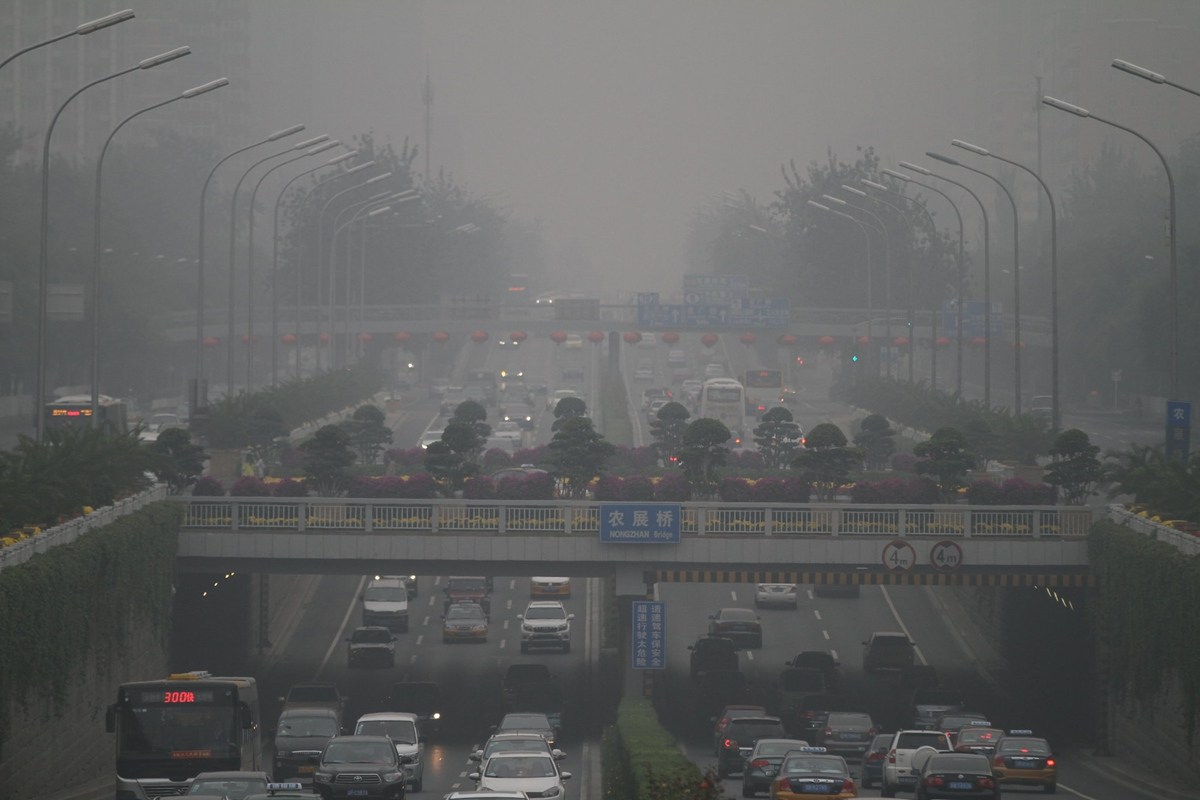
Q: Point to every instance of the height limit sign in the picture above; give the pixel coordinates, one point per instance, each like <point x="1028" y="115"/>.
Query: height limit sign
<point x="899" y="556"/>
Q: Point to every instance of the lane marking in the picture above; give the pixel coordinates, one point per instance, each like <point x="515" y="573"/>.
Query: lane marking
<point x="420" y="639"/>
<point x="733" y="595"/>
<point x="749" y="655"/>
<point x="341" y="631"/>
<point x="1076" y="792"/>
<point x="505" y="624"/>
<point x="834" y="654"/>
<point x="810" y="593"/>
<point x="816" y="613"/>
<point x="896" y="614"/>
<point x="503" y="642"/>
<point x="413" y="659"/>
<point x="508" y="604"/>
<point x="426" y="622"/>
<point x="430" y="600"/>
<point x="826" y="635"/>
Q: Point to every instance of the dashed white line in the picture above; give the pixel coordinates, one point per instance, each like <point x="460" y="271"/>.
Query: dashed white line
<point x="810" y="593"/>
<point x="508" y="603"/>
<point x="505" y="624"/>
<point x="426" y="622"/>
<point x="431" y="600"/>
<point x="816" y="613"/>
<point x="825" y="634"/>
<point x="733" y="595"/>
<point x="749" y="655"/>
<point x="413" y="659"/>
<point x="503" y="642"/>
<point x="834" y="654"/>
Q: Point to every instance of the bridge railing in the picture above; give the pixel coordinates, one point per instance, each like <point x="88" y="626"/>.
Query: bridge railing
<point x="583" y="518"/>
<point x="1184" y="541"/>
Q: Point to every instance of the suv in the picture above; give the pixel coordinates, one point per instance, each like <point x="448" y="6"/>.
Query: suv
<point x="710" y="653"/>
<point x="300" y="736"/>
<point x="829" y="666"/>
<point x="371" y="645"/>
<point x="545" y="623"/>
<point x="467" y="589"/>
<point x="888" y="650"/>
<point x="898" y="771"/>
<point x="385" y="602"/>
<point x="360" y="766"/>
<point x="403" y="730"/>
<point x="741" y="734"/>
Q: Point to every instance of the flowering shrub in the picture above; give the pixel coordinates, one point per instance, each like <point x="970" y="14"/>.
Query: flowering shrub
<point x="1013" y="492"/>
<point x="608" y="488"/>
<point x="673" y="489"/>
<point x="405" y="460"/>
<point x="249" y="486"/>
<point x="904" y="462"/>
<point x="479" y="487"/>
<point x="734" y="490"/>
<point x="780" y="490"/>
<point x="289" y="488"/>
<point x="208" y="486"/>
<point x="420" y="487"/>
<point x="907" y="491"/>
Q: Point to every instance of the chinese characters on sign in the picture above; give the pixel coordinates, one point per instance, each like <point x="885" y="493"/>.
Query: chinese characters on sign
<point x="1179" y="430"/>
<point x="646" y="523"/>
<point x="649" y="635"/>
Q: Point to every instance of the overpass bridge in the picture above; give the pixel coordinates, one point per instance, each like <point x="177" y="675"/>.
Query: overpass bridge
<point x="811" y="543"/>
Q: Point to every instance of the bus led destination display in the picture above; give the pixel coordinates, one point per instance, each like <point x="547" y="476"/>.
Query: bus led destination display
<point x="640" y="523"/>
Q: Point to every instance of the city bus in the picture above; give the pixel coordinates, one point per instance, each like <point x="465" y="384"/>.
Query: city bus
<point x="75" y="411"/>
<point x="168" y="731"/>
<point x="725" y="399"/>
<point x="763" y="390"/>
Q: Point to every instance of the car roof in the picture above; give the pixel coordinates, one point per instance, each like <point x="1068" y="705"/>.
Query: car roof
<point x="545" y="604"/>
<point x="308" y="711"/>
<point x="389" y="716"/>
<point x="370" y="739"/>
<point x="232" y="774"/>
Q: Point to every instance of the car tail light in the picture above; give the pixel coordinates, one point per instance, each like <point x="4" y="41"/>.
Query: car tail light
<point x="872" y="732"/>
<point x="782" y="785"/>
<point x="848" y="787"/>
<point x="1049" y="762"/>
<point x="934" y="780"/>
<point x="729" y="744"/>
<point x="828" y="731"/>
<point x="962" y="748"/>
<point x="891" y="756"/>
<point x="987" y="783"/>
<point x="875" y="756"/>
<point x="998" y="761"/>
<point x="759" y="763"/>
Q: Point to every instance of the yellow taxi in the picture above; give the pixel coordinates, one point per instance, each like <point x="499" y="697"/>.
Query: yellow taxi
<point x="808" y="772"/>
<point x="549" y="587"/>
<point x="1022" y="759"/>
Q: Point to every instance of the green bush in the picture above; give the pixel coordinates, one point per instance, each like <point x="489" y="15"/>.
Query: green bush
<point x="647" y="764"/>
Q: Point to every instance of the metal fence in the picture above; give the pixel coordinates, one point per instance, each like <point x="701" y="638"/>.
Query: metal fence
<point x="583" y="518"/>
<point x="1186" y="542"/>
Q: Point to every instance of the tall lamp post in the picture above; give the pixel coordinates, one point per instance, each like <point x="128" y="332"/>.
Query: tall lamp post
<point x="231" y="301"/>
<point x="96" y="206"/>
<point x="1173" y="292"/>
<point x="299" y="252"/>
<point x="312" y="151"/>
<point x="1016" y="273"/>
<point x="393" y="200"/>
<point x="866" y="232"/>
<point x="887" y="264"/>
<point x="1055" y="405"/>
<point x="199" y="392"/>
<point x="887" y="270"/>
<point x="106" y="21"/>
<point x="39" y="399"/>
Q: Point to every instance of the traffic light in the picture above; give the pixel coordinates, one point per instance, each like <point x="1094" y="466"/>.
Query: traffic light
<point x="854" y="358"/>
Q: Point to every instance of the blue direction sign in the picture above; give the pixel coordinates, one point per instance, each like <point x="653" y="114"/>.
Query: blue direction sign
<point x="661" y="316"/>
<point x="647" y="298"/>
<point x="1179" y="430"/>
<point x="762" y="312"/>
<point x="649" y="635"/>
<point x="711" y="315"/>
<point x="640" y="523"/>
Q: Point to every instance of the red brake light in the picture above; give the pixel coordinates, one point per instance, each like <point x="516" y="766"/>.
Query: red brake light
<point x="729" y="744"/>
<point x="875" y="756"/>
<point x="934" y="780"/>
<point x="828" y="731"/>
<point x="848" y="787"/>
<point x="759" y="763"/>
<point x="1049" y="762"/>
<point x="987" y="783"/>
<point x="891" y="756"/>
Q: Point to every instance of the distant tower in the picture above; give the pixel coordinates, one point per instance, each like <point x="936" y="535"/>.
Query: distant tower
<point x="427" y="98"/>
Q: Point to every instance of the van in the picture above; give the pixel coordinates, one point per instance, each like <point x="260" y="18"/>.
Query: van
<point x="385" y="603"/>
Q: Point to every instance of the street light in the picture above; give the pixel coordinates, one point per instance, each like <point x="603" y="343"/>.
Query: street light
<point x="1016" y="273"/>
<point x="1055" y="406"/>
<point x="867" y="238"/>
<point x="312" y="151"/>
<point x="394" y="200"/>
<point x="887" y="269"/>
<point x="44" y="261"/>
<point x="199" y="391"/>
<point x="1153" y="77"/>
<point x="299" y="253"/>
<point x="95" y="288"/>
<point x="80" y="30"/>
<point x="229" y="323"/>
<point x="1173" y="291"/>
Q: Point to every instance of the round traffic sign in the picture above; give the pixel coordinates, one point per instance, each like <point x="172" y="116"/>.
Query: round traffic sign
<point x="899" y="556"/>
<point x="946" y="555"/>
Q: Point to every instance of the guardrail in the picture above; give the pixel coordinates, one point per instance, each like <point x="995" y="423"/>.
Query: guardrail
<point x="1187" y="543"/>
<point x="71" y="530"/>
<point x="582" y="518"/>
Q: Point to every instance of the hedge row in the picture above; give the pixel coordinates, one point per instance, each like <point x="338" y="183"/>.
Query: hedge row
<point x="642" y="761"/>
<point x="59" y="607"/>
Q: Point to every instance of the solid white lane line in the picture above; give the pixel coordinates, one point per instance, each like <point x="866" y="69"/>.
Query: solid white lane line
<point x="1075" y="792"/>
<point x="341" y="631"/>
<point x="896" y="614"/>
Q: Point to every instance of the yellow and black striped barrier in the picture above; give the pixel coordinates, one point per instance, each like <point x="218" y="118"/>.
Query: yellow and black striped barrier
<point x="1056" y="580"/>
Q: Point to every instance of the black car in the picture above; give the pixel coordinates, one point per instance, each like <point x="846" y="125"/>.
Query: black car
<point x="739" y="738"/>
<point x="807" y="719"/>
<point x="710" y="653"/>
<point x="953" y="775"/>
<point x="739" y="624"/>
<point x="359" y="766"/>
<point x="821" y="660"/>
<point x="300" y="736"/>
<point x="423" y="698"/>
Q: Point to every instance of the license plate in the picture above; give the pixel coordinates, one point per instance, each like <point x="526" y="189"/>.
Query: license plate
<point x="851" y="737"/>
<point x="307" y="769"/>
<point x="961" y="785"/>
<point x="816" y="788"/>
<point x="356" y="792"/>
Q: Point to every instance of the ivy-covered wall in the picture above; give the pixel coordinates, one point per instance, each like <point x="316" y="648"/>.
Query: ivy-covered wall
<point x="76" y="622"/>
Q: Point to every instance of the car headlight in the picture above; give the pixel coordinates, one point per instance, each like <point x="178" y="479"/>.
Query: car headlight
<point x="436" y="715"/>
<point x="322" y="777"/>
<point x="392" y="777"/>
<point x="553" y="791"/>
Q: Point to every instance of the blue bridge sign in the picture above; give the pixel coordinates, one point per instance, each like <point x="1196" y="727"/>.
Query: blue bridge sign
<point x="649" y="635"/>
<point x="640" y="523"/>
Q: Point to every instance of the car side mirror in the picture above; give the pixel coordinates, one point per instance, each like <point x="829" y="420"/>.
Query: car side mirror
<point x="559" y="755"/>
<point x="566" y="776"/>
<point x="520" y="616"/>
<point x="474" y="776"/>
<point x="570" y="617"/>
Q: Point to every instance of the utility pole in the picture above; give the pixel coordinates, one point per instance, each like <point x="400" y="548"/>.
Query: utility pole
<point x="427" y="98"/>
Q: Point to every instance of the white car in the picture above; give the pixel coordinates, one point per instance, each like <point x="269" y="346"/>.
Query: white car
<point x="430" y="436"/>
<point x="677" y="358"/>
<point x="535" y="773"/>
<point x="402" y="728"/>
<point x="899" y="773"/>
<point x="776" y="594"/>
<point x="515" y="743"/>
<point x="649" y="340"/>
<point x="508" y="430"/>
<point x="545" y="623"/>
<point x="559" y="394"/>
<point x="573" y="341"/>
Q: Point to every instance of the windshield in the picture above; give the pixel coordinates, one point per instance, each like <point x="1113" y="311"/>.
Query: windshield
<point x="520" y="767"/>
<point x="312" y="694"/>
<point x="545" y="612"/>
<point x="745" y="731"/>
<point x="524" y="722"/>
<point x="307" y="726"/>
<point x="1023" y="746"/>
<point x="911" y="741"/>
<point x="402" y="731"/>
<point x="723" y="394"/>
<point x="386" y="594"/>
<point x="959" y="763"/>
<point x="381" y="636"/>
<point x="810" y="765"/>
<point x="358" y="753"/>
<point x="471" y="612"/>
<point x="209" y="731"/>
<point x="232" y="788"/>
<point x="978" y="735"/>
<point x="853" y="721"/>
<point x="530" y="745"/>
<point x="778" y="748"/>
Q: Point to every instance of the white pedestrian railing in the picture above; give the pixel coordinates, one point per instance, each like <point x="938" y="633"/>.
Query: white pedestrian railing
<point x="583" y="518"/>
<point x="1186" y="542"/>
<point x="71" y="530"/>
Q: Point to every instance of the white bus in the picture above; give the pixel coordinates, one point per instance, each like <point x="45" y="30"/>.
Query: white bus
<point x="725" y="399"/>
<point x="763" y="390"/>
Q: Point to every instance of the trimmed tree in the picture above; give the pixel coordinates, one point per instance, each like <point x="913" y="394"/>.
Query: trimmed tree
<point x="668" y="427"/>
<point x="180" y="462"/>
<point x="826" y="461"/>
<point x="577" y="454"/>
<point x="1076" y="469"/>
<point x="327" y="459"/>
<point x="568" y="408"/>
<point x="703" y="453"/>
<point x="878" y="441"/>
<point x="369" y="436"/>
<point x="777" y="437"/>
<point x="945" y="457"/>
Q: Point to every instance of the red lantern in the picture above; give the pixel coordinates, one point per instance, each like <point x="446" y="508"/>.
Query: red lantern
<point x="596" y="337"/>
<point x="479" y="336"/>
<point x="403" y="337"/>
<point x="708" y="339"/>
<point x="978" y="341"/>
<point x="324" y="338"/>
<point x="632" y="337"/>
<point x="246" y="339"/>
<point x="942" y="341"/>
<point x="826" y="341"/>
<point x="441" y="337"/>
<point x="365" y="336"/>
<point x="863" y="340"/>
<point x="670" y="337"/>
<point x="211" y="341"/>
<point x="558" y="337"/>
<point x="288" y="338"/>
<point x="749" y="338"/>
<point x="789" y="339"/>
<point x="518" y="336"/>
<point x="900" y="341"/>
